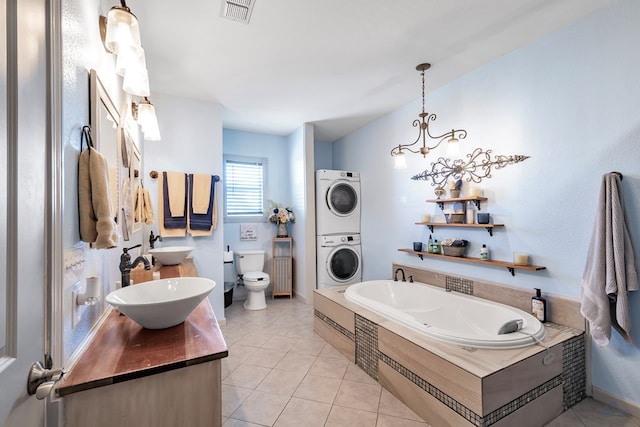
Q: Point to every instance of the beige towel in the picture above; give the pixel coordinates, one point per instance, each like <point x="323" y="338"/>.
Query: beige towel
<point x="94" y="202"/>
<point x="147" y="208"/>
<point x="113" y="184"/>
<point x="127" y="204"/>
<point x="166" y="232"/>
<point x="137" y="205"/>
<point x="610" y="270"/>
<point x="177" y="192"/>
<point x="200" y="233"/>
<point x="201" y="193"/>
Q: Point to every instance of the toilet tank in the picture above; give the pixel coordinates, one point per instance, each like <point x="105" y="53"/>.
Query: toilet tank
<point x="247" y="261"/>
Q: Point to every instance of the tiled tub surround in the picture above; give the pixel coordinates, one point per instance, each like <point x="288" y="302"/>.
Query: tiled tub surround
<point x="450" y="385"/>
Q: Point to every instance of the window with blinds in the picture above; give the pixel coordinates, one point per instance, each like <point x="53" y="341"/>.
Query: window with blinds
<point x="244" y="182"/>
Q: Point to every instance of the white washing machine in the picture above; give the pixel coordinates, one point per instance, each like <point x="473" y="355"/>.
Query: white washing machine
<point x="337" y="202"/>
<point x="339" y="260"/>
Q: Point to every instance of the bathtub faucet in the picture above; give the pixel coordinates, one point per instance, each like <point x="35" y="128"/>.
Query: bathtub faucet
<point x="126" y="265"/>
<point x="395" y="275"/>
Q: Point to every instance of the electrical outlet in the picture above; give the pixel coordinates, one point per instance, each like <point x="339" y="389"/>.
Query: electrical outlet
<point x="76" y="310"/>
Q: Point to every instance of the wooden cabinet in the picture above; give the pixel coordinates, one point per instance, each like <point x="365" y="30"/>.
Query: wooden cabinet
<point x="282" y="266"/>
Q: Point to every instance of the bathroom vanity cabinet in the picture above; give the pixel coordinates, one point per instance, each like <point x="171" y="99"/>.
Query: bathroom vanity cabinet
<point x="131" y="376"/>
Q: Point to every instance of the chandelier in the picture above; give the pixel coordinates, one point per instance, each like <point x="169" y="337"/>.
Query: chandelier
<point x="423" y="124"/>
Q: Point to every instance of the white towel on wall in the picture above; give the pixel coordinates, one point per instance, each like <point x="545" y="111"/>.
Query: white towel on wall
<point x="610" y="271"/>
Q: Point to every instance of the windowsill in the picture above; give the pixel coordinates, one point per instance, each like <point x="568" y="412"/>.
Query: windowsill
<point x="244" y="219"/>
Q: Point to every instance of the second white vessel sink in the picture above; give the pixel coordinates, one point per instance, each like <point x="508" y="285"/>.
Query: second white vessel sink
<point x="171" y="255"/>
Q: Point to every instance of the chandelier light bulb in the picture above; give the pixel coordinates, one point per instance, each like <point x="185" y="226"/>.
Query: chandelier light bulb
<point x="401" y="160"/>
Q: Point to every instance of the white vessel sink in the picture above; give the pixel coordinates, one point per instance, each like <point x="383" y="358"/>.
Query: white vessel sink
<point x="163" y="303"/>
<point x="171" y="255"/>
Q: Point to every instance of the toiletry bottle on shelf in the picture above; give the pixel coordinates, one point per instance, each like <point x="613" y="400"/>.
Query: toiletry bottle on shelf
<point x="484" y="253"/>
<point x="430" y="245"/>
<point x="436" y="247"/>
<point x="539" y="306"/>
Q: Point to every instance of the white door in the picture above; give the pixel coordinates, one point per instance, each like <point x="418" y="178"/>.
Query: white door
<point x="23" y="202"/>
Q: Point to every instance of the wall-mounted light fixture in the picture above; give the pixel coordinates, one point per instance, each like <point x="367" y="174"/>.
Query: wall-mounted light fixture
<point x="145" y="114"/>
<point x="423" y="124"/>
<point x="121" y="35"/>
<point x="122" y="30"/>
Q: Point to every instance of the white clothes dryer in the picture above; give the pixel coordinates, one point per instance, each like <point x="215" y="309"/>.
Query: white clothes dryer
<point x="337" y="202"/>
<point x="339" y="260"/>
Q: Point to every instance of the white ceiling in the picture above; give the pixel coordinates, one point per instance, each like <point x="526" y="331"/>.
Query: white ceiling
<point x="336" y="63"/>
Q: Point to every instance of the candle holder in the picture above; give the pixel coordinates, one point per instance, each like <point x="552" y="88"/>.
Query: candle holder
<point x="520" y="258"/>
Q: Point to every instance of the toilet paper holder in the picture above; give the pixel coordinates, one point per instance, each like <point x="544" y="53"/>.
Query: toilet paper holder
<point x="228" y="256"/>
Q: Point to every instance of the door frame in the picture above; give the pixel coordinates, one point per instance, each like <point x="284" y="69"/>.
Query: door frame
<point x="53" y="327"/>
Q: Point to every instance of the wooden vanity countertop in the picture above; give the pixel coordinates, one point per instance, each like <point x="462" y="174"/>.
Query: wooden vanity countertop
<point x="122" y="350"/>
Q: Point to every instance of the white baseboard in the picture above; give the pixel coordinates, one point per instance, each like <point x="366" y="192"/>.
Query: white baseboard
<point x="625" y="405"/>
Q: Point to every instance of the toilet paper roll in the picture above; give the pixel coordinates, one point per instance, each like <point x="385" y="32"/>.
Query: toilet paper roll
<point x="92" y="287"/>
<point x="228" y="256"/>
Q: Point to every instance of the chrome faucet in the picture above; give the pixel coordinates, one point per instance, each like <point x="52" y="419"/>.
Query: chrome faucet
<point x="152" y="239"/>
<point x="395" y="275"/>
<point x="126" y="265"/>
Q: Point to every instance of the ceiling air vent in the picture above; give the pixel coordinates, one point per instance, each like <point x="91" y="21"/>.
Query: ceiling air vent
<point x="237" y="10"/>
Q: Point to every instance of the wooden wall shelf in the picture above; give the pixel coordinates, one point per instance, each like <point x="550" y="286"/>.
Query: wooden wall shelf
<point x="489" y="227"/>
<point x="475" y="199"/>
<point x="508" y="265"/>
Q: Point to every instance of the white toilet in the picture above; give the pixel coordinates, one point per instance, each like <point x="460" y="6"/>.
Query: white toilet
<point x="249" y="264"/>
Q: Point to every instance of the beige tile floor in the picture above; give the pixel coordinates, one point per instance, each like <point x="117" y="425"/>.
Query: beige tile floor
<point x="280" y="373"/>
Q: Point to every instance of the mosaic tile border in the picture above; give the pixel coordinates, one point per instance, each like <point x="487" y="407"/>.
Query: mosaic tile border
<point x="463" y="411"/>
<point x="458" y="284"/>
<point x="443" y="397"/>
<point x="574" y="372"/>
<point x="350" y="335"/>
<point x="367" y="354"/>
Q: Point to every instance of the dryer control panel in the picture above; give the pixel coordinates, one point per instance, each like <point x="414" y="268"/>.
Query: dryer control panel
<point x="339" y="239"/>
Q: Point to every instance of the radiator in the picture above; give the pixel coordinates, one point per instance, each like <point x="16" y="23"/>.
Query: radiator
<point x="282" y="275"/>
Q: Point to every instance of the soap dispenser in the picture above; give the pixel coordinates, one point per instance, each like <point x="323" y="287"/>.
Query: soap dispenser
<point x="539" y="306"/>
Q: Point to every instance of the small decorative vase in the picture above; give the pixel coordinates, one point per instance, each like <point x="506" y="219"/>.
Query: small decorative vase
<point x="282" y="230"/>
<point x="439" y="191"/>
<point x="455" y="193"/>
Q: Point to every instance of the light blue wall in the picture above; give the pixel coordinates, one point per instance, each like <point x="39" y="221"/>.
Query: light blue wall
<point x="323" y="155"/>
<point x="571" y="101"/>
<point x="302" y="177"/>
<point x="191" y="142"/>
<point x="276" y="150"/>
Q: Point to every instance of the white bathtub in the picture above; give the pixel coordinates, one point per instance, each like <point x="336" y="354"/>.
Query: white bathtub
<point x="451" y="317"/>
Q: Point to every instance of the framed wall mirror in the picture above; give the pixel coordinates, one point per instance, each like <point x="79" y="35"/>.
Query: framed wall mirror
<point x="135" y="175"/>
<point x="105" y="128"/>
<point x="130" y="181"/>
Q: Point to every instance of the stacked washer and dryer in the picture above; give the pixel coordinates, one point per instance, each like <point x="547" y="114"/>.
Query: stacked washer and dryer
<point x="339" y="255"/>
